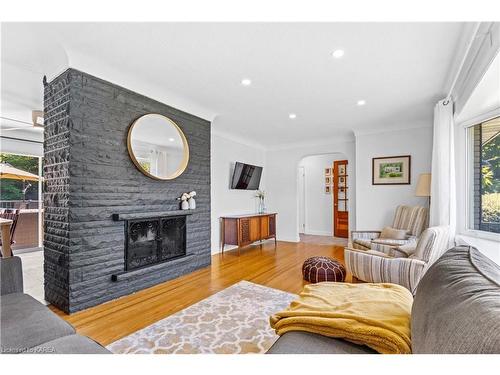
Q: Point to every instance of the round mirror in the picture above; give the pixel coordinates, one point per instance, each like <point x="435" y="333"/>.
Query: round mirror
<point x="158" y="147"/>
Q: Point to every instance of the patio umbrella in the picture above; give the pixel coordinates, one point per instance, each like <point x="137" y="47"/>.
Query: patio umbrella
<point x="8" y="171"/>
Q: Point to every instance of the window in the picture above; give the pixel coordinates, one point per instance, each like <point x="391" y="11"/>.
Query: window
<point x="484" y="176"/>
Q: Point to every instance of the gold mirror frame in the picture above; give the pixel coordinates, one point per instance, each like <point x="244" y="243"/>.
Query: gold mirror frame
<point x="185" y="159"/>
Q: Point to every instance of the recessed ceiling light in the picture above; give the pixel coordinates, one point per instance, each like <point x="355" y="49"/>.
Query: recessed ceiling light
<point x="171" y="139"/>
<point x="361" y="102"/>
<point x="292" y="116"/>
<point x="246" y="82"/>
<point x="338" y="53"/>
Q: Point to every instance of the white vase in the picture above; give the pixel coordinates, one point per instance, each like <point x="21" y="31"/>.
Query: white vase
<point x="192" y="203"/>
<point x="184" y="205"/>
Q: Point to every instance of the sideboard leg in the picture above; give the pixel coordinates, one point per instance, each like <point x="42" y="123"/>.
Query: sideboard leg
<point x="222" y="236"/>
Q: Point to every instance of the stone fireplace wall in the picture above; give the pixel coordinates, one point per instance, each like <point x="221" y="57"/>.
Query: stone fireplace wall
<point x="89" y="177"/>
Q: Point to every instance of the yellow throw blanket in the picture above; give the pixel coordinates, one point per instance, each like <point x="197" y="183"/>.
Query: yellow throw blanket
<point x="375" y="315"/>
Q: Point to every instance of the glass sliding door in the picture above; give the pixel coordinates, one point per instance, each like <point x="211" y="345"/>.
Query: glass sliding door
<point x="21" y="195"/>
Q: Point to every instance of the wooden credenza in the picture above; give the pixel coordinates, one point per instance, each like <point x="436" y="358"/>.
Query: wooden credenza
<point x="242" y="230"/>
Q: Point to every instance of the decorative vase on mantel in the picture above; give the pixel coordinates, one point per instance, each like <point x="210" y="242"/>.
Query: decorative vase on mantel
<point x="187" y="200"/>
<point x="191" y="203"/>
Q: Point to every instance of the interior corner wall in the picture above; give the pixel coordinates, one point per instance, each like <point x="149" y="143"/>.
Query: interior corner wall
<point x="318" y="205"/>
<point x="282" y="183"/>
<point x="89" y="177"/>
<point x="375" y="204"/>
<point x="225" y="201"/>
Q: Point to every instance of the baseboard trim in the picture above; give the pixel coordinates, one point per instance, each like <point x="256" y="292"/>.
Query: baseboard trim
<point x="318" y="233"/>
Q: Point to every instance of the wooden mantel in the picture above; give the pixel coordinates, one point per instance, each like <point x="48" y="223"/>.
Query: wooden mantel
<point x="149" y="215"/>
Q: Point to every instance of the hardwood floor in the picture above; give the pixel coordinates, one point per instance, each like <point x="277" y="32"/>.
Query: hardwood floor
<point x="323" y="240"/>
<point x="280" y="269"/>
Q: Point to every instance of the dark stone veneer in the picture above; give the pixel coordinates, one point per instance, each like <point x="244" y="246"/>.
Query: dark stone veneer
<point x="89" y="177"/>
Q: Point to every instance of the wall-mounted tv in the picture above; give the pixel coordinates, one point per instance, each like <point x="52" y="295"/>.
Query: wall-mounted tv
<point x="246" y="176"/>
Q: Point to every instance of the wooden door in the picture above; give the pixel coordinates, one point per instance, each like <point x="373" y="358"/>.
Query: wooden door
<point x="340" y="210"/>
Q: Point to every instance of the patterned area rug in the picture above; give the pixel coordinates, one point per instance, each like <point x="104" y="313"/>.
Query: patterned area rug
<point x="232" y="321"/>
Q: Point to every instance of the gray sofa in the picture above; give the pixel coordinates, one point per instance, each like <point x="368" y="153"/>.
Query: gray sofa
<point x="456" y="310"/>
<point x="28" y="326"/>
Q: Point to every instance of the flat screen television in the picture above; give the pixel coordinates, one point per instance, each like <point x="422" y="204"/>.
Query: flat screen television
<point x="246" y="176"/>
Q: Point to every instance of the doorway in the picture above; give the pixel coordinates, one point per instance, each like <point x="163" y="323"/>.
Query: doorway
<point x="21" y="202"/>
<point x="340" y="187"/>
<point x="315" y="187"/>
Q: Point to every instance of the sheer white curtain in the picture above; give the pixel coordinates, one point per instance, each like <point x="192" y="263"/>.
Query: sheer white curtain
<point x="153" y="164"/>
<point x="443" y="192"/>
<point x="162" y="164"/>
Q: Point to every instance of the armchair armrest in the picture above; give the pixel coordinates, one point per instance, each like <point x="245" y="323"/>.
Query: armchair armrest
<point x="365" y="234"/>
<point x="374" y="268"/>
<point x="367" y="252"/>
<point x="11" y="273"/>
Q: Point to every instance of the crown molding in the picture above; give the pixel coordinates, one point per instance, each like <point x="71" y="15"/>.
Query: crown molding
<point x="361" y="132"/>
<point x="238" y="139"/>
<point x="314" y="142"/>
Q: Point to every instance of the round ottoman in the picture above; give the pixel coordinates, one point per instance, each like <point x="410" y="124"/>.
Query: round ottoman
<point x="317" y="269"/>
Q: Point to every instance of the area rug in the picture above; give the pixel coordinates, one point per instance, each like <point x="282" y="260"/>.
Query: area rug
<point x="232" y="321"/>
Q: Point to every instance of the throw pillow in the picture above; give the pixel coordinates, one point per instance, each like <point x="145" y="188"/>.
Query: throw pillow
<point x="395" y="234"/>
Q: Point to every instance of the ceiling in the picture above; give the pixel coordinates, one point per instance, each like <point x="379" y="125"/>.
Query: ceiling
<point x="400" y="69"/>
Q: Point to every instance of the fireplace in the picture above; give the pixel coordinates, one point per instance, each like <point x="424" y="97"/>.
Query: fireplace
<point x="154" y="240"/>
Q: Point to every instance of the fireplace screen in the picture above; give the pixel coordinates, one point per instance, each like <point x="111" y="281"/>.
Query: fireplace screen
<point x="151" y="241"/>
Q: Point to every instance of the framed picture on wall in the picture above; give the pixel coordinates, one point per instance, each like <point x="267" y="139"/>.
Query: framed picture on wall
<point x="328" y="171"/>
<point x="342" y="169"/>
<point x="328" y="189"/>
<point x="328" y="181"/>
<point x="391" y="170"/>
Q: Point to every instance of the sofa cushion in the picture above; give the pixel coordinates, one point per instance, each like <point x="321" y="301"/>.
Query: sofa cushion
<point x="296" y="342"/>
<point x="26" y="323"/>
<point x="72" y="344"/>
<point x="457" y="305"/>
<point x="11" y="275"/>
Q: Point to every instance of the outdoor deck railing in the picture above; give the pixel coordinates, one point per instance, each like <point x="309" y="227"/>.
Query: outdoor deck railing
<point x="19" y="204"/>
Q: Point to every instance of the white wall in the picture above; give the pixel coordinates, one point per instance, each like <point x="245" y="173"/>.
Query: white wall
<point x="375" y="204"/>
<point x="318" y="207"/>
<point x="282" y="188"/>
<point x="224" y="153"/>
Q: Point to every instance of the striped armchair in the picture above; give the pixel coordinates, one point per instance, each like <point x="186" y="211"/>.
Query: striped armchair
<point x="404" y="265"/>
<point x="413" y="219"/>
